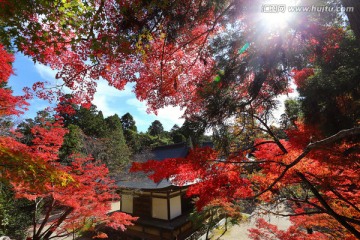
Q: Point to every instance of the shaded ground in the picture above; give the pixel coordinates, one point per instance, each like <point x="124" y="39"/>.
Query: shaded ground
<point x="240" y="231"/>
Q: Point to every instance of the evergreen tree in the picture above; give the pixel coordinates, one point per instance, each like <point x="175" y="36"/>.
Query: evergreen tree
<point x="130" y="132"/>
<point x="117" y="152"/>
<point x="128" y="122"/>
<point x="73" y="143"/>
<point x="176" y="135"/>
<point x="91" y="121"/>
<point x="194" y="130"/>
<point x="330" y="96"/>
<point x="156" y="128"/>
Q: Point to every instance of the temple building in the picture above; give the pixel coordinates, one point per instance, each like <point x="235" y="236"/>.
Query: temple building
<point x="163" y="208"/>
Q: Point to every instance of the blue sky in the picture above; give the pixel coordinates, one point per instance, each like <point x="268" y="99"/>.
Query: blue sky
<point x="107" y="99"/>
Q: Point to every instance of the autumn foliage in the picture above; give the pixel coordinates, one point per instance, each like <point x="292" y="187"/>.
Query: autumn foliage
<point x="215" y="60"/>
<point x="212" y="179"/>
<point x="75" y="193"/>
<point x="85" y="198"/>
<point x="314" y="174"/>
<point x="9" y="104"/>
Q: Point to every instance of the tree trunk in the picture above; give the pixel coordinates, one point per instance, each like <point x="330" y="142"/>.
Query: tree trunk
<point x="210" y="225"/>
<point x="353" y="16"/>
<point x="58" y="223"/>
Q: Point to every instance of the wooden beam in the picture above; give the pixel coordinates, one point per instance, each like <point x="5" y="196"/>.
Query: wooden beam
<point x="168" y="204"/>
<point x="151" y="205"/>
<point x="121" y="203"/>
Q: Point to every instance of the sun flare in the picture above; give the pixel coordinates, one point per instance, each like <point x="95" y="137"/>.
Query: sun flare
<point x="274" y="14"/>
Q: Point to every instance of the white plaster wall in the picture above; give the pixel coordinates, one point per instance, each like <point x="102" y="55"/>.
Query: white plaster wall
<point x="115" y="206"/>
<point x="127" y="203"/>
<point x="159" y="208"/>
<point x="175" y="207"/>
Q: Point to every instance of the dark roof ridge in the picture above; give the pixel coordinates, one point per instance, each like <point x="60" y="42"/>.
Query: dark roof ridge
<point x="182" y="144"/>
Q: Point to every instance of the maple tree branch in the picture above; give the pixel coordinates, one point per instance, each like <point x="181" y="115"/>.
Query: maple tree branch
<point x="338" y="136"/>
<point x="44" y="221"/>
<point x="34" y="217"/>
<point x="59" y="236"/>
<point x="162" y="61"/>
<point x="297" y="214"/>
<point x="268" y="130"/>
<point x="298" y="201"/>
<point x="258" y="144"/>
<point x="254" y="162"/>
<point x="207" y="32"/>
<point x="78" y="73"/>
<point x="91" y="32"/>
<point x="342" y="220"/>
<point x="352" y="220"/>
<point x="58" y="223"/>
<point x="336" y="193"/>
<point x="253" y="146"/>
<point x="344" y="199"/>
<point x="323" y="210"/>
<point x="64" y="233"/>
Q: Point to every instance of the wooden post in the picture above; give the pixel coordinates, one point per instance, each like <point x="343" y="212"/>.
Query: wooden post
<point x="168" y="204"/>
<point x="121" y="202"/>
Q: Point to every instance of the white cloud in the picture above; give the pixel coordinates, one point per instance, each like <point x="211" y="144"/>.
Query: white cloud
<point x="141" y="123"/>
<point x="46" y="72"/>
<point x="106" y="97"/>
<point x="102" y="104"/>
<point x="111" y="100"/>
<point x="140" y="106"/>
<point x="168" y="116"/>
<point x="104" y="89"/>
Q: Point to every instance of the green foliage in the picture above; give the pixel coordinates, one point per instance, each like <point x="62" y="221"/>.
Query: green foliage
<point x="6" y="124"/>
<point x="113" y="122"/>
<point x="176" y="135"/>
<point x="117" y="153"/>
<point x="73" y="143"/>
<point x="156" y="128"/>
<point x="91" y="121"/>
<point x="88" y="134"/>
<point x="293" y="113"/>
<point x="14" y="20"/>
<point x="107" y="144"/>
<point x="293" y="108"/>
<point x="130" y="132"/>
<point x="25" y="127"/>
<point x="331" y="98"/>
<point x="128" y="122"/>
<point x="193" y="130"/>
<point x="146" y="141"/>
<point x="15" y="214"/>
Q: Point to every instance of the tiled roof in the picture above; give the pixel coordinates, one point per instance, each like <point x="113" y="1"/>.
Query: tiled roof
<point x="170" y="151"/>
<point x="140" y="180"/>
